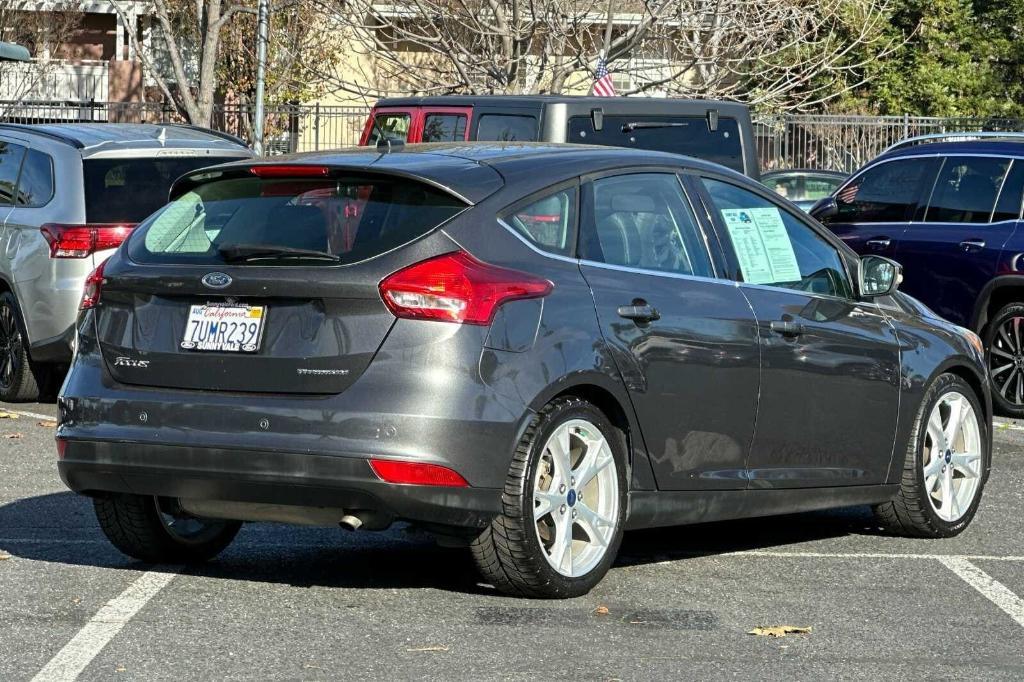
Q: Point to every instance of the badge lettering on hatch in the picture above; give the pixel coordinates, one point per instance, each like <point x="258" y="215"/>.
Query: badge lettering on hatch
<point x="122" y="361"/>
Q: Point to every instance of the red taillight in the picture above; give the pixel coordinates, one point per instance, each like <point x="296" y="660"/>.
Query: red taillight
<point x="416" y="473"/>
<point x="81" y="241"/>
<point x="458" y="288"/>
<point x="62" y="446"/>
<point x="92" y="289"/>
<point x="289" y="171"/>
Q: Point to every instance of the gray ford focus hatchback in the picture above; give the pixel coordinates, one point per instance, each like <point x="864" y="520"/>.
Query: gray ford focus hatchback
<point x="528" y="348"/>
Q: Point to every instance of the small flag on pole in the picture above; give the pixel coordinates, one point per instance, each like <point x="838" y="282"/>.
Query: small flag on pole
<point x="603" y="86"/>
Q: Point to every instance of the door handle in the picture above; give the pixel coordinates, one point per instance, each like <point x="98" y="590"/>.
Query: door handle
<point x="787" y="328"/>
<point x="879" y="242"/>
<point x="972" y="244"/>
<point x="641" y="314"/>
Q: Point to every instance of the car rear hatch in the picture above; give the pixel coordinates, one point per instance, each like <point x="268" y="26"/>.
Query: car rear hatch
<point x="265" y="278"/>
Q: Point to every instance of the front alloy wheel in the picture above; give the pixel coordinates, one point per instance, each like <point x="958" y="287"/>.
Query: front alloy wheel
<point x="563" y="505"/>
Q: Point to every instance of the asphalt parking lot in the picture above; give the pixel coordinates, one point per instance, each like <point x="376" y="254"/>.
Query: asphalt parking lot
<point x="288" y="603"/>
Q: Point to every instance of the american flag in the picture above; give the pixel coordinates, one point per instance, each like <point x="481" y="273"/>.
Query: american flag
<point x="849" y="193"/>
<point x="603" y="86"/>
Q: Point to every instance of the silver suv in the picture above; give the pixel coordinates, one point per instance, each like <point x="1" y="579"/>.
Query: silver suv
<point x="69" y="194"/>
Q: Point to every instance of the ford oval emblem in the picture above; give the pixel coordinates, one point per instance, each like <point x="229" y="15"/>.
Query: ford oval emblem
<point x="216" y="280"/>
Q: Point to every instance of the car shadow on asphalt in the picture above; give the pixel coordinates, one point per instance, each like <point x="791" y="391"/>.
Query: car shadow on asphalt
<point x="61" y="528"/>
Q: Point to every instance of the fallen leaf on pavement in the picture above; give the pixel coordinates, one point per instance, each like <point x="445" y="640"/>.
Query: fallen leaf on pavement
<point x="120" y="669"/>
<point x="12" y="436"/>
<point x="429" y="648"/>
<point x="4" y="556"/>
<point x="601" y="611"/>
<point x="7" y="415"/>
<point x="779" y="630"/>
<point x="48" y="423"/>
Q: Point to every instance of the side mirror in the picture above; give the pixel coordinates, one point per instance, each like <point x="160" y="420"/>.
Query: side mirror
<point x="878" y="276"/>
<point x="824" y="209"/>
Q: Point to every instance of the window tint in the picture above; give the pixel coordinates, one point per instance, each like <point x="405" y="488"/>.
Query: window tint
<point x="548" y="223"/>
<point x="966" y="189"/>
<point x="10" y="163"/>
<point x="507" y="128"/>
<point x="644" y="221"/>
<point x="352" y="218"/>
<point x="395" y="126"/>
<point x="35" y="185"/>
<point x="819" y="187"/>
<point x="687" y="135"/>
<point x="1008" y="205"/>
<point x="128" y="190"/>
<point x="774" y="247"/>
<point x="884" y="193"/>
<point x="444" y="128"/>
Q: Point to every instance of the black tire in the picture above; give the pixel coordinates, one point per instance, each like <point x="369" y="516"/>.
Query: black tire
<point x="509" y="553"/>
<point x="135" y="525"/>
<point x="910" y="513"/>
<point x="1005" y="384"/>
<point x="18" y="377"/>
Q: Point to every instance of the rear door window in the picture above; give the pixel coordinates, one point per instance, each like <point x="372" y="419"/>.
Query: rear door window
<point x="644" y="221"/>
<point x="35" y="185"/>
<point x="966" y="189"/>
<point x="1009" y="202"/>
<point x="507" y="128"/>
<point x="128" y="190"/>
<point x="687" y="135"/>
<point x="291" y="221"/>
<point x="549" y="223"/>
<point x="887" y="193"/>
<point x="439" y="127"/>
<point x="11" y="156"/>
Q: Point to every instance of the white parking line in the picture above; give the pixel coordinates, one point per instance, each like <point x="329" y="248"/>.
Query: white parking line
<point x="992" y="589"/>
<point x="33" y="415"/>
<point x="101" y="628"/>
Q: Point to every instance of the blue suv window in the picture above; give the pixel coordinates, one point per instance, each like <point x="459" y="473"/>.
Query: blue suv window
<point x="966" y="189"/>
<point x="1009" y="202"/>
<point x="885" y="193"/>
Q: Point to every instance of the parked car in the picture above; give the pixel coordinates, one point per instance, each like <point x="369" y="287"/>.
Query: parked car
<point x="526" y="347"/>
<point x="69" y="194"/>
<point x="706" y="129"/>
<point x="803" y="186"/>
<point x="950" y="213"/>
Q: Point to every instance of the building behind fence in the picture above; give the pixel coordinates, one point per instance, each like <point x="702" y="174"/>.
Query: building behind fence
<point x="791" y="141"/>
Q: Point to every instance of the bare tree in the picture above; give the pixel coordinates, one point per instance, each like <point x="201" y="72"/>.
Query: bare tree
<point x="783" y="54"/>
<point x="45" y="34"/>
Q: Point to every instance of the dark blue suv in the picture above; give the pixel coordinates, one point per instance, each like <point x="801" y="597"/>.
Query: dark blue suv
<point x="950" y="213"/>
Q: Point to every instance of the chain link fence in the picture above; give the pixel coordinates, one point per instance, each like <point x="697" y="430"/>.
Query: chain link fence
<point x="792" y="141"/>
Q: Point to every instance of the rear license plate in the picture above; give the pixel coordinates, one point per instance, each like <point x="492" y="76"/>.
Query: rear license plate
<point x="224" y="327"/>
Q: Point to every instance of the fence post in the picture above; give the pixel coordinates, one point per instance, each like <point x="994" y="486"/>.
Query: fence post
<point x="316" y="128"/>
<point x="906" y="125"/>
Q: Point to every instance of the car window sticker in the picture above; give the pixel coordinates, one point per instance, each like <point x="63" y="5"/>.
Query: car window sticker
<point x="762" y="245"/>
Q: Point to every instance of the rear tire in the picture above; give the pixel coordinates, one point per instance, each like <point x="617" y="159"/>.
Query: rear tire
<point x="144" y="528"/>
<point x="1004" y="357"/>
<point x="561" y="524"/>
<point x="929" y="503"/>
<point x="18" y="380"/>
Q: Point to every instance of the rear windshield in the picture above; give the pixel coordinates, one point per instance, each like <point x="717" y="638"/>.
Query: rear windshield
<point x="128" y="190"/>
<point x="688" y="135"/>
<point x="290" y="222"/>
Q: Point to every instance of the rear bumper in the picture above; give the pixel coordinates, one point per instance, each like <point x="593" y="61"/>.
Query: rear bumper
<point x="278" y="478"/>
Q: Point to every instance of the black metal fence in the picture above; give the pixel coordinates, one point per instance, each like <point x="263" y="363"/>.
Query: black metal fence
<point x="791" y="141"/>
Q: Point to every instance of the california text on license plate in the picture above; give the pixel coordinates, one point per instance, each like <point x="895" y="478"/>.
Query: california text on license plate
<point x="224" y="327"/>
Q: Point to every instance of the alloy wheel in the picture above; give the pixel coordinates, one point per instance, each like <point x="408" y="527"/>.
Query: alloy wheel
<point x="10" y="347"/>
<point x="952" y="456"/>
<point x="1006" y="360"/>
<point x="576" y="498"/>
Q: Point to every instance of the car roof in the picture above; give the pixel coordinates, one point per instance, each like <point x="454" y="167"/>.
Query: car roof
<point x="618" y="103"/>
<point x="475" y="170"/>
<point x="1007" y="147"/>
<point x="93" y="136"/>
<point x="803" y="171"/>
